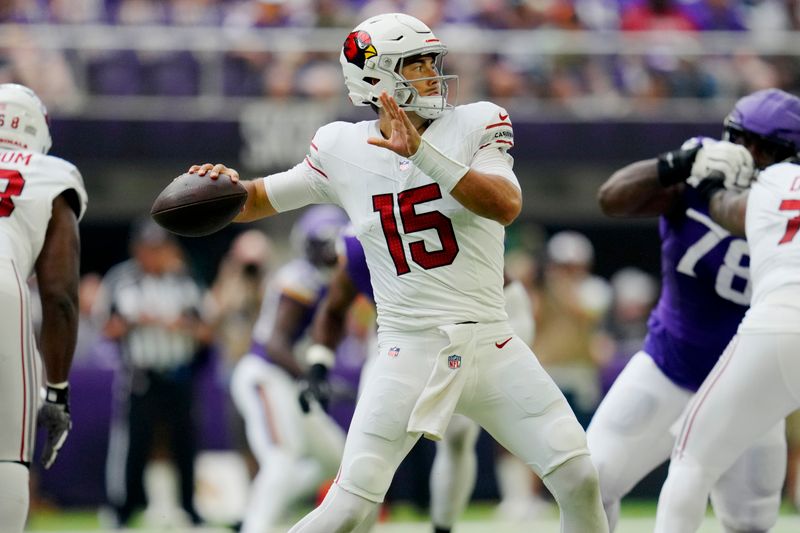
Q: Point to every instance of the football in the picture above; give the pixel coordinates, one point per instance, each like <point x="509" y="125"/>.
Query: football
<point x="194" y="206"/>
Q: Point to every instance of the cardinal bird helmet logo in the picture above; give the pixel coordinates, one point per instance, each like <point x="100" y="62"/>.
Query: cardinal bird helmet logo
<point x="358" y="48"/>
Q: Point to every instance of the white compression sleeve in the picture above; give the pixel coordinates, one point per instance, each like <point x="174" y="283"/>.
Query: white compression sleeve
<point x="442" y="169"/>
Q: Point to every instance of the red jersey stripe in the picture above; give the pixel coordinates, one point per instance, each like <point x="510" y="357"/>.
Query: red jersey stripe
<point x="22" y="361"/>
<point x="315" y="168"/>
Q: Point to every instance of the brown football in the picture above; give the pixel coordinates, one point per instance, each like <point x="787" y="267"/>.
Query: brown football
<point x="194" y="206"/>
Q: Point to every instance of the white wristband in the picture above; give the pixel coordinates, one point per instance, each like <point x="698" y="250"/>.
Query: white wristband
<point x="318" y="354"/>
<point x="442" y="169"/>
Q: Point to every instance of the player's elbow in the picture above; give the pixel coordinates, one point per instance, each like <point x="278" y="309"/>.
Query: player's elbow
<point x="607" y="200"/>
<point x="509" y="211"/>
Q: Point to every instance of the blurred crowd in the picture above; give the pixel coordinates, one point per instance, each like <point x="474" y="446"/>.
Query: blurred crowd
<point x="613" y="79"/>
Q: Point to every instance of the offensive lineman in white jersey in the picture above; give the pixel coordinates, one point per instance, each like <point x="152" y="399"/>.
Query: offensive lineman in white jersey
<point x="42" y="200"/>
<point x="756" y="382"/>
<point x="429" y="189"/>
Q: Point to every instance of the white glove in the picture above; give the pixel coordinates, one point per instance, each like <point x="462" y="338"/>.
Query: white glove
<point x="723" y="158"/>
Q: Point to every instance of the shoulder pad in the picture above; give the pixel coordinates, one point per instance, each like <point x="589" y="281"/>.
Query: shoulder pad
<point x="492" y="124"/>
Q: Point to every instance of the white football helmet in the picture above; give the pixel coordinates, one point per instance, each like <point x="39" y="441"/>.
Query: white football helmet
<point x="23" y="120"/>
<point x="373" y="55"/>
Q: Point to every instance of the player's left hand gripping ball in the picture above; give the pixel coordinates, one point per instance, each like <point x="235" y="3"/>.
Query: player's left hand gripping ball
<point x="55" y="419"/>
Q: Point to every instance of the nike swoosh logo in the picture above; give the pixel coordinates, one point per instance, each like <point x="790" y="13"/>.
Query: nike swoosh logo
<point x="502" y="116"/>
<point x="500" y="345"/>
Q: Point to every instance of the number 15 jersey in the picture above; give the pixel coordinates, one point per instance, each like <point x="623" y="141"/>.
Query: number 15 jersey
<point x="431" y="261"/>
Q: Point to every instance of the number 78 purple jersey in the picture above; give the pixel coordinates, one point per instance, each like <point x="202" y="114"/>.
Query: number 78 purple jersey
<point x="705" y="293"/>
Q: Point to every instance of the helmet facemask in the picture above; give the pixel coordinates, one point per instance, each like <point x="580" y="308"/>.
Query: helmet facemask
<point x="408" y="97"/>
<point x="775" y="148"/>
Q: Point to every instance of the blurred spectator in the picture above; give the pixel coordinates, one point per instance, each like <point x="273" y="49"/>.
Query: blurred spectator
<point x="320" y="79"/>
<point x="717" y="15"/>
<point x="572" y="305"/>
<point x="634" y="294"/>
<point x="234" y="299"/>
<point x="151" y="306"/>
<point x="655" y="15"/>
<point x="504" y="81"/>
<point x="88" y="329"/>
<point x="770" y="15"/>
<point x="259" y="14"/>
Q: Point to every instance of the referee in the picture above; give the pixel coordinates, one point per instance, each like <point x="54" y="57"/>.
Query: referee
<point x="151" y="306"/>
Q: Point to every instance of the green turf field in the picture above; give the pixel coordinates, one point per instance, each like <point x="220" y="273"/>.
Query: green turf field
<point x="637" y="517"/>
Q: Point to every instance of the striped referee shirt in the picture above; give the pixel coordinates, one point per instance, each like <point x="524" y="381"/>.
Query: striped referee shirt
<point x="136" y="295"/>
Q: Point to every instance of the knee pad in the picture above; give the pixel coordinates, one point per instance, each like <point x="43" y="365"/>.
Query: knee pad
<point x="565" y="434"/>
<point x="747" y="498"/>
<point x="574" y="481"/>
<point x="368" y="476"/>
<point x="13" y="496"/>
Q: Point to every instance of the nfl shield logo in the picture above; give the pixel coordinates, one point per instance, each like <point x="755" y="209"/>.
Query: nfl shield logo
<point x="454" y="361"/>
<point x="394" y="351"/>
<point x="405" y="164"/>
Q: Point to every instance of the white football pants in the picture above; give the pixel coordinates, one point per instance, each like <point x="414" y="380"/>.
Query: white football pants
<point x="20" y="368"/>
<point x="296" y="452"/>
<point x="750" y="391"/>
<point x="632" y="433"/>
<point x="506" y="391"/>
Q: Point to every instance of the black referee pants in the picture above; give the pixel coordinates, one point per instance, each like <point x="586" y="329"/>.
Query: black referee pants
<point x="155" y="398"/>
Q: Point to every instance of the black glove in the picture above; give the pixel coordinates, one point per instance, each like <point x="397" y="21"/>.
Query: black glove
<point x="54" y="418"/>
<point x="315" y="386"/>
<point x="676" y="166"/>
<point x="706" y="187"/>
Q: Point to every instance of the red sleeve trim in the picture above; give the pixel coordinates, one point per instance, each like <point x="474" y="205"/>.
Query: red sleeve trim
<point x="497" y="125"/>
<point x="315" y="168"/>
<point x="481" y="147"/>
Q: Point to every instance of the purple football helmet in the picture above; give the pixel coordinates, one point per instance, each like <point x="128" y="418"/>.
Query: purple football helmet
<point x="315" y="234"/>
<point x="771" y="115"/>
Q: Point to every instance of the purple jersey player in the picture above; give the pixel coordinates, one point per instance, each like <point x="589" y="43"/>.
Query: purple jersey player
<point x="295" y="453"/>
<point x="756" y="382"/>
<point x="705" y="293"/>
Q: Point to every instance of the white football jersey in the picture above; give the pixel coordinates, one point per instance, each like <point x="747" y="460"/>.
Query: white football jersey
<point x="431" y="260"/>
<point x="772" y="225"/>
<point x="29" y="182"/>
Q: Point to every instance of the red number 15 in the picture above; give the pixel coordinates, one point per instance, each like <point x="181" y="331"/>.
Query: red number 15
<point x="412" y="223"/>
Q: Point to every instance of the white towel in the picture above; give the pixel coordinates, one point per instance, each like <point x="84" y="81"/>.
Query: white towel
<point x="436" y="403"/>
